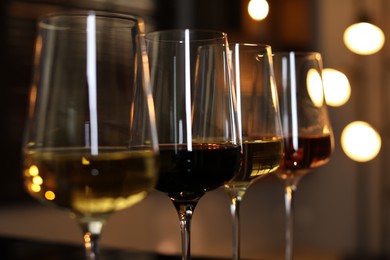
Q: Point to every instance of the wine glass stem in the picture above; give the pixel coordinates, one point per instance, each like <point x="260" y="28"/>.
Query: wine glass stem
<point x="235" y="213"/>
<point x="92" y="231"/>
<point x="288" y="197"/>
<point x="290" y="187"/>
<point x="185" y="211"/>
<point x="91" y="242"/>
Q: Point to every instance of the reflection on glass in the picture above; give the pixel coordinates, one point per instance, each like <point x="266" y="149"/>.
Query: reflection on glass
<point x="315" y="87"/>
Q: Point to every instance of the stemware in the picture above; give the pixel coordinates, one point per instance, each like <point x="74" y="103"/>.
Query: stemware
<point x="308" y="136"/>
<point x="196" y="117"/>
<point x="90" y="143"/>
<point x="259" y="124"/>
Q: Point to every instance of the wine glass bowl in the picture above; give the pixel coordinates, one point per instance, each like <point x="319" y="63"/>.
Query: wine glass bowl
<point x="90" y="143"/>
<point x="308" y="136"/>
<point x="259" y="124"/>
<point x="196" y="118"/>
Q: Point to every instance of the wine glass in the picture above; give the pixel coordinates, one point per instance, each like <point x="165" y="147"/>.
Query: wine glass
<point x="196" y="117"/>
<point x="260" y="126"/>
<point x="90" y="143"/>
<point x="308" y="136"/>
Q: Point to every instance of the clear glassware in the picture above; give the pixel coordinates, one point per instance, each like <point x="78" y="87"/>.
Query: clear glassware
<point x="308" y="135"/>
<point x="259" y="124"/>
<point x="196" y="117"/>
<point x="90" y="143"/>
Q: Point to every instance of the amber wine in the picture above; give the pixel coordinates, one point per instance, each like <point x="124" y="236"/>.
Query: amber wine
<point x="260" y="158"/>
<point x="305" y="152"/>
<point x="90" y="184"/>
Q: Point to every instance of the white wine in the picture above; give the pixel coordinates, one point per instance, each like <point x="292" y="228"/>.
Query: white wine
<point x="90" y="185"/>
<point x="260" y="158"/>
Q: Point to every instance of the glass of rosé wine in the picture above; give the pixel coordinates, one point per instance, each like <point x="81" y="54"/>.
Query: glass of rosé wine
<point x="308" y="136"/>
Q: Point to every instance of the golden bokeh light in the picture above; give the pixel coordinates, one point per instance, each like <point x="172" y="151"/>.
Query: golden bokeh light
<point x="336" y="87"/>
<point x="37" y="180"/>
<point x="364" y="38"/>
<point x="33" y="170"/>
<point x="35" y="187"/>
<point x="49" y="195"/>
<point x="360" y="141"/>
<point x="258" y="9"/>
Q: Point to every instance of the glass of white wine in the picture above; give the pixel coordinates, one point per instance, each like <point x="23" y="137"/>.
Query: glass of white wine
<point x="90" y="143"/>
<point x="259" y="124"/>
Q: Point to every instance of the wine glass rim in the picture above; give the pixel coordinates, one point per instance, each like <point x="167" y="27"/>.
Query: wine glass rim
<point x="266" y="48"/>
<point x="262" y="45"/>
<point x="214" y="35"/>
<point x="48" y="21"/>
<point x="295" y="53"/>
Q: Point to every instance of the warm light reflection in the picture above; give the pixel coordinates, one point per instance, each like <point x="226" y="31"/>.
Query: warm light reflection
<point x="35" y="187"/>
<point x="360" y="141"/>
<point x="258" y="9"/>
<point x="82" y="202"/>
<point x="33" y="170"/>
<point x="336" y="87"/>
<point x="326" y="130"/>
<point x="364" y="38"/>
<point x="314" y="87"/>
<point x="274" y="93"/>
<point x="49" y="195"/>
<point x="37" y="180"/>
<point x="84" y="161"/>
<point x="88" y="241"/>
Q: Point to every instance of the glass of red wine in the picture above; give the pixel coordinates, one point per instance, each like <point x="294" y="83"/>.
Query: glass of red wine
<point x="196" y="117"/>
<point x="308" y="136"/>
<point x="260" y="126"/>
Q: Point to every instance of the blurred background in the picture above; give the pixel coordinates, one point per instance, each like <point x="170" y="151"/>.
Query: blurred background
<point x="342" y="209"/>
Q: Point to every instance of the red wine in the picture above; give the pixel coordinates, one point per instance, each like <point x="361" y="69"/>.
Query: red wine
<point x="305" y="152"/>
<point x="187" y="175"/>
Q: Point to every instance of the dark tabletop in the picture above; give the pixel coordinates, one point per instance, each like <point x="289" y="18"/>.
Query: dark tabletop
<point x="17" y="249"/>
